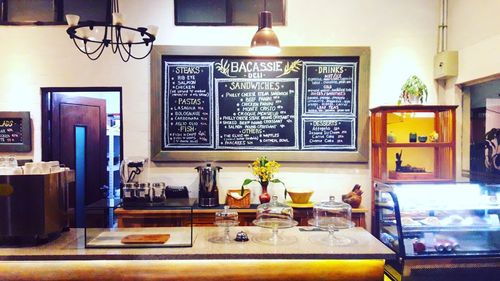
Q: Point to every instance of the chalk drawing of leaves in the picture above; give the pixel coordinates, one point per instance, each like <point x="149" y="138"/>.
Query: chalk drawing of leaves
<point x="291" y="67"/>
<point x="223" y="67"/>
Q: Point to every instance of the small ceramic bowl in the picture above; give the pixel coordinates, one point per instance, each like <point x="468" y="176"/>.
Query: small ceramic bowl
<point x="422" y="138"/>
<point x="300" y="196"/>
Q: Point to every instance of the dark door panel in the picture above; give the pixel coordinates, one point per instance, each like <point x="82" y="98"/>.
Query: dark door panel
<point x="69" y="113"/>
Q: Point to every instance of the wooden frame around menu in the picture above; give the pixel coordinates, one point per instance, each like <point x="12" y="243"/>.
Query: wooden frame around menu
<point x="361" y="155"/>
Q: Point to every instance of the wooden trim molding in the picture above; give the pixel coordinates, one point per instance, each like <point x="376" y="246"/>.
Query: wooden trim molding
<point x="479" y="80"/>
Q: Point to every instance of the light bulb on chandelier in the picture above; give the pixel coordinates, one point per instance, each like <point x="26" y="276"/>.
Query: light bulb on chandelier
<point x="92" y="38"/>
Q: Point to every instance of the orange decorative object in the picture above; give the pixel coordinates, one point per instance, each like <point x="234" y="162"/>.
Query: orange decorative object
<point x="300" y="196"/>
<point x="353" y="198"/>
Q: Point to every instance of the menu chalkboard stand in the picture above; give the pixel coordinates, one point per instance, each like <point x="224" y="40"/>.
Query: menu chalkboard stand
<point x="15" y="131"/>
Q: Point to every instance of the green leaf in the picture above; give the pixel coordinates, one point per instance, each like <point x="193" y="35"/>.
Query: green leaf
<point x="247" y="181"/>
<point x="278" y="181"/>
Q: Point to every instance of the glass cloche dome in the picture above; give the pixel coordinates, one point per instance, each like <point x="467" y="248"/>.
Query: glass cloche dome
<point x="274" y="215"/>
<point x="225" y="218"/>
<point x="332" y="216"/>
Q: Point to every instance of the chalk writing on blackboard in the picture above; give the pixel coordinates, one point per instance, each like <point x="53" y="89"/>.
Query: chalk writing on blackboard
<point x="328" y="133"/>
<point x="188" y="105"/>
<point x="11" y="131"/>
<point x="256" y="113"/>
<point x="244" y="103"/>
<point x="329" y="88"/>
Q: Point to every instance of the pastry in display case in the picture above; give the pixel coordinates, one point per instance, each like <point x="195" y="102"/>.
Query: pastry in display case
<point x="452" y="224"/>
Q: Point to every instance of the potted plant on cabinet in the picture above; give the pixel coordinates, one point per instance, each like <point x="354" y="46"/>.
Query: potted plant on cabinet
<point x="413" y="91"/>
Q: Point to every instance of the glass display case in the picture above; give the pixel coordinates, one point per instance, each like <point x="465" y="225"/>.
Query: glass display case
<point x="99" y="235"/>
<point x="429" y="221"/>
<point x="413" y="143"/>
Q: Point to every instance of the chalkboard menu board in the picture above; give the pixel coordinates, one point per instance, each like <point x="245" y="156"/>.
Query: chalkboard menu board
<point x="15" y="132"/>
<point x="227" y="105"/>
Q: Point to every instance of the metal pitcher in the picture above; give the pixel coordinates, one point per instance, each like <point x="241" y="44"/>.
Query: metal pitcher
<point x="208" y="190"/>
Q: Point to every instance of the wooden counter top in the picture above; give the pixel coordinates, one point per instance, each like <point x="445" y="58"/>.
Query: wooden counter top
<point x="70" y="246"/>
<point x="67" y="259"/>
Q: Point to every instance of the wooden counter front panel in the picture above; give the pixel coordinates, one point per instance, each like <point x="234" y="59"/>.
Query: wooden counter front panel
<point x="205" y="217"/>
<point x="200" y="270"/>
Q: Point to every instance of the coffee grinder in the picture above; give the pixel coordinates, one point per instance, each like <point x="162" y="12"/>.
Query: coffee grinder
<point x="208" y="190"/>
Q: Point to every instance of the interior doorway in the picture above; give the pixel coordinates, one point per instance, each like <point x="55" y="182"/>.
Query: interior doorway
<point x="82" y="129"/>
<point x="482" y="116"/>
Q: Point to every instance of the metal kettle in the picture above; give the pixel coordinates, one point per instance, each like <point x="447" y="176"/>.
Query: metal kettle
<point x="208" y="190"/>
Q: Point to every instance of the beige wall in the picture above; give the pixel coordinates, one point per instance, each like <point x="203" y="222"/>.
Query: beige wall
<point x="473" y="31"/>
<point x="402" y="36"/>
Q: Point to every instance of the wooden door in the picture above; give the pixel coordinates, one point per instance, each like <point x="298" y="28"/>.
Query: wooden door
<point x="85" y="118"/>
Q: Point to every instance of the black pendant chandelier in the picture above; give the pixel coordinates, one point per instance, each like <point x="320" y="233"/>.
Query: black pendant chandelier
<point x="92" y="38"/>
<point x="265" y="41"/>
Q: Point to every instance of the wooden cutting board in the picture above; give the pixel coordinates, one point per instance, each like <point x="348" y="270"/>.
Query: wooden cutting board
<point x="145" y="239"/>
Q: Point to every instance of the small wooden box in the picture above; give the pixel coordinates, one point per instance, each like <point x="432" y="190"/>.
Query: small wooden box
<point x="410" y="176"/>
<point x="238" y="203"/>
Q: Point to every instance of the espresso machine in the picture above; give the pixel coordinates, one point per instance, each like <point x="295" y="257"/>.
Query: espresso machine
<point x="34" y="207"/>
<point x="208" y="192"/>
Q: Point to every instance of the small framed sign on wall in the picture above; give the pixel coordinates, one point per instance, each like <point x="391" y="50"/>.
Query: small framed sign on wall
<point x="15" y="131"/>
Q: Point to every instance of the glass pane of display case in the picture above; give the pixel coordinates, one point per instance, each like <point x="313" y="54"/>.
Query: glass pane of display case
<point x="413" y="143"/>
<point x="176" y="230"/>
<point x="388" y="227"/>
<point x="418" y="220"/>
<point x="410" y="163"/>
<point x="407" y="127"/>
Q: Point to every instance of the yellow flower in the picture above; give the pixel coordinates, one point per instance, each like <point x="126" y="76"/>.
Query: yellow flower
<point x="264" y="169"/>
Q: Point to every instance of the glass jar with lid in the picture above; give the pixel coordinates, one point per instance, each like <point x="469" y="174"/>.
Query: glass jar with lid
<point x="225" y="218"/>
<point x="157" y="191"/>
<point x="332" y="216"/>
<point x="142" y="192"/>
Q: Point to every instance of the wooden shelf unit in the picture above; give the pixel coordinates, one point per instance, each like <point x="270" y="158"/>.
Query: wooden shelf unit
<point x="421" y="119"/>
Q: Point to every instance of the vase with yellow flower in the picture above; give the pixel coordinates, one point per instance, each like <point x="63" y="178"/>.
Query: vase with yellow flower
<point x="264" y="170"/>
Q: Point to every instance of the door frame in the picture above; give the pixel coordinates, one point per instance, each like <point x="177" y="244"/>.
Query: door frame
<point x="46" y="106"/>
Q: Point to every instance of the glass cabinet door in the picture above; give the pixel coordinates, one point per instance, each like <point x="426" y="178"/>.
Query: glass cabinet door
<point x="386" y="215"/>
<point x="440" y="219"/>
